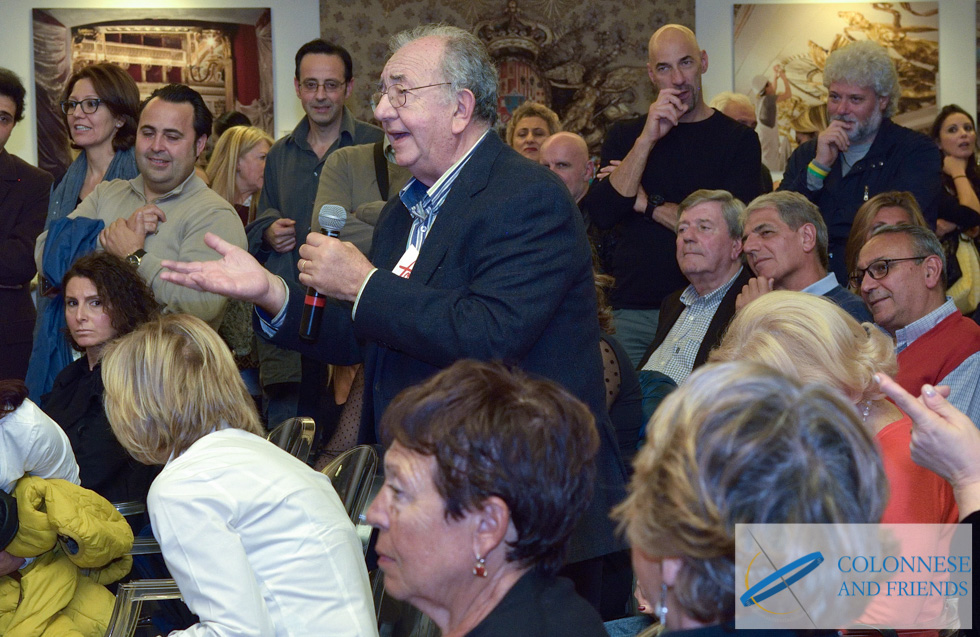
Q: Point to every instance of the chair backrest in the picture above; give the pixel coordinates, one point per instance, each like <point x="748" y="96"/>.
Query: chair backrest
<point x="294" y="435"/>
<point x="129" y="602"/>
<point x="352" y="474"/>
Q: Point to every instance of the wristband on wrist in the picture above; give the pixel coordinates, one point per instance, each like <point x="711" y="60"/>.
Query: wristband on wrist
<point x="817" y="171"/>
<point x="960" y="177"/>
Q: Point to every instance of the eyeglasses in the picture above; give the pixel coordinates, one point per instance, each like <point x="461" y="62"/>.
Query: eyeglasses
<point x="329" y="86"/>
<point x="398" y="94"/>
<point x="879" y="269"/>
<point x="89" y="106"/>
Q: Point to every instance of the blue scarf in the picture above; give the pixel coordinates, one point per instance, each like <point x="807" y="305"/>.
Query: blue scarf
<point x="67" y="240"/>
<point x="64" y="196"/>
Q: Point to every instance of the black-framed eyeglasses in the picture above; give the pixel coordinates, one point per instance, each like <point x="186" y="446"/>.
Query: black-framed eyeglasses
<point x="89" y="105"/>
<point x="879" y="269"/>
<point x="330" y="86"/>
<point x="398" y="94"/>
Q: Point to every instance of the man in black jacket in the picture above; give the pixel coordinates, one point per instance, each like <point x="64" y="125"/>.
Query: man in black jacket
<point x="862" y="152"/>
<point x="709" y="253"/>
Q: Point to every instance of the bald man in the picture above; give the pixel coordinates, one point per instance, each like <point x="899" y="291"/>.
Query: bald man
<point x="679" y="146"/>
<point x="567" y="155"/>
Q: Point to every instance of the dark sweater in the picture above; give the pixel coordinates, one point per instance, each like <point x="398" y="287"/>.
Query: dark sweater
<point x="541" y="606"/>
<point x="75" y="403"/>
<point x="714" y="153"/>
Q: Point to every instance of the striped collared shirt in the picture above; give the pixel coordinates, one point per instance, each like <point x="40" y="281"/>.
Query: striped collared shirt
<point x="424" y="203"/>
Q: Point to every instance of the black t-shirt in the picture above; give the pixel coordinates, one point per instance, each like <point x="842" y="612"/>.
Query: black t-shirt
<point x="715" y="153"/>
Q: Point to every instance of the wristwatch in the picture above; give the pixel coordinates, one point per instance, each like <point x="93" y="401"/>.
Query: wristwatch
<point x="653" y="201"/>
<point x="136" y="258"/>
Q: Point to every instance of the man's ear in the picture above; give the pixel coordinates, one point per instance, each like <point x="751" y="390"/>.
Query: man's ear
<point x="465" y="103"/>
<point x="737" y="245"/>
<point x="808" y="234"/>
<point x="350" y="89"/>
<point x="883" y="103"/>
<point x="201" y="142"/>
<point x="704" y="62"/>
<point x="934" y="270"/>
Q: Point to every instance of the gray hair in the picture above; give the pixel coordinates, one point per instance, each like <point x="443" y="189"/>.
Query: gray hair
<point x="865" y="63"/>
<point x="731" y="208"/>
<point x="924" y="242"/>
<point x="466" y="64"/>
<point x="802" y="457"/>
<point x="721" y="101"/>
<point x="795" y="210"/>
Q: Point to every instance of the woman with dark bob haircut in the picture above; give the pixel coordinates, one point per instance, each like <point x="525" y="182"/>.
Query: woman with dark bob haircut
<point x="487" y="472"/>
<point x="104" y="299"/>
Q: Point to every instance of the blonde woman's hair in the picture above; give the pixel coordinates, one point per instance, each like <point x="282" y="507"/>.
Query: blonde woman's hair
<point x="864" y="217"/>
<point x="812" y="339"/>
<point x="169" y="383"/>
<point x="532" y="109"/>
<point x="741" y="443"/>
<point x="221" y="170"/>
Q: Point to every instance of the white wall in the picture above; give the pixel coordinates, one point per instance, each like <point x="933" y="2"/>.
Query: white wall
<point x="957" y="46"/>
<point x="293" y="23"/>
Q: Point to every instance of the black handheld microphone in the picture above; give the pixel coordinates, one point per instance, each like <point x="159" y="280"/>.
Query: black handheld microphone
<point x="332" y="219"/>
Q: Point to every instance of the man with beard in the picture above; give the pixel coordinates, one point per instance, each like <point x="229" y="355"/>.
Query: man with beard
<point x="679" y="146"/>
<point x="862" y="152"/>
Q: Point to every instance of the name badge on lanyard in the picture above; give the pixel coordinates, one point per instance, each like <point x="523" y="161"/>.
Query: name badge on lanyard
<point x="405" y="264"/>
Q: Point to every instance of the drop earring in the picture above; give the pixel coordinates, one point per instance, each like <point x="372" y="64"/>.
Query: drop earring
<point x="662" y="606"/>
<point x="480" y="568"/>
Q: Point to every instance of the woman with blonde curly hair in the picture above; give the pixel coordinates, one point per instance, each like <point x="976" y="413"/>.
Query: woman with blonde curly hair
<point x="811" y="339"/>
<point x="740" y="443"/>
<point x="529" y="126"/>
<point x="237" y="167"/>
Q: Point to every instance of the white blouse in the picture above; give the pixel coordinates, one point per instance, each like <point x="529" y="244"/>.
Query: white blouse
<point x="30" y="442"/>
<point x="258" y="542"/>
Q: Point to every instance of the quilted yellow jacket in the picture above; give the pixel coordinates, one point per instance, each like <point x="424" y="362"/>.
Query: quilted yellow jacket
<point x="80" y="543"/>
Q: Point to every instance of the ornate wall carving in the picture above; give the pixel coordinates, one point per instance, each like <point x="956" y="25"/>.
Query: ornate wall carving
<point x="587" y="59"/>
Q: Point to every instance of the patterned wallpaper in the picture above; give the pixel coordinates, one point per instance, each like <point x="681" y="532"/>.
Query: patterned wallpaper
<point x="590" y="55"/>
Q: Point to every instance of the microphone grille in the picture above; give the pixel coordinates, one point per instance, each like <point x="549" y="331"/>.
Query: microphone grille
<point x="332" y="217"/>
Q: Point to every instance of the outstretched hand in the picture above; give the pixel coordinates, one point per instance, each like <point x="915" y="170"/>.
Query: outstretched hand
<point x="944" y="439"/>
<point x="236" y="275"/>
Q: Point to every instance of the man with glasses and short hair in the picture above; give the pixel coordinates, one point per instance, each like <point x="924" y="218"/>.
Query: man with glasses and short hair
<point x="324" y="80"/>
<point x="901" y="273"/>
